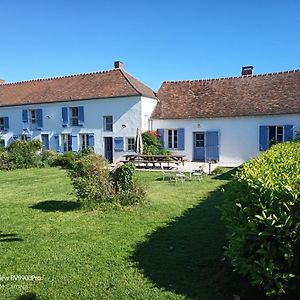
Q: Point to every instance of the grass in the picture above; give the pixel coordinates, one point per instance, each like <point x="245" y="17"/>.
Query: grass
<point x="168" y="248"/>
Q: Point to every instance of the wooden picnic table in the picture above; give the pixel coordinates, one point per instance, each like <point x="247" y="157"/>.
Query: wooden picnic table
<point x="153" y="159"/>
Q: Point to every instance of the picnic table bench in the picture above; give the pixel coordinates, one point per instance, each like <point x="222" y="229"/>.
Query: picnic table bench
<point x="153" y="159"/>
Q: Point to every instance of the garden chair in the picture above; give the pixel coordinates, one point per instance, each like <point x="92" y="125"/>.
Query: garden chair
<point x="198" y="173"/>
<point x="180" y="175"/>
<point x="166" y="175"/>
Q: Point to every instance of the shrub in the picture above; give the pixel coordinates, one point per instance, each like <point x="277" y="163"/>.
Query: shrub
<point x="91" y="181"/>
<point x="48" y="157"/>
<point x="24" y="154"/>
<point x="4" y="160"/>
<point x="64" y="160"/>
<point x="152" y="145"/>
<point x="262" y="216"/>
<point x="128" y="190"/>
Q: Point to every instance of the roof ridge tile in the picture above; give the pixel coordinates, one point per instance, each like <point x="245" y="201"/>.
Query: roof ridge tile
<point x="59" y="77"/>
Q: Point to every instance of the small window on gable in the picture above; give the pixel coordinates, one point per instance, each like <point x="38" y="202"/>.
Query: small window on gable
<point x="108" y="123"/>
<point x="130" y="144"/>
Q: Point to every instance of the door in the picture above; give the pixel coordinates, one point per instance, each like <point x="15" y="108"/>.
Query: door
<point x="108" y="148"/>
<point x="45" y="141"/>
<point x="199" y="142"/>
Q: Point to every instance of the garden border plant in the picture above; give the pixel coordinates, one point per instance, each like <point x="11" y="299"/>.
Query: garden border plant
<point x="262" y="216"/>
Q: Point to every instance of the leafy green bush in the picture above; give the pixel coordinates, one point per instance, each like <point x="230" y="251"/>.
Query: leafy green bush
<point x="64" y="160"/>
<point x="24" y="154"/>
<point x="91" y="181"/>
<point x="128" y="190"/>
<point x="48" y="157"/>
<point x="152" y="145"/>
<point x="262" y="216"/>
<point x="4" y="160"/>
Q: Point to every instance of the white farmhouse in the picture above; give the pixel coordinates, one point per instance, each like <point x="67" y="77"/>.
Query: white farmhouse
<point x="101" y="110"/>
<point x="228" y="120"/>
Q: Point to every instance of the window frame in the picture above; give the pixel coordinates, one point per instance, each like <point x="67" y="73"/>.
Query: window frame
<point x="172" y="139"/>
<point x="74" y="118"/>
<point x="276" y="139"/>
<point x="130" y="146"/>
<point x="108" y="126"/>
<point x="84" y="140"/>
<point x="66" y="140"/>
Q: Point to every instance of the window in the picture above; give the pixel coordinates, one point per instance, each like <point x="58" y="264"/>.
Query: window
<point x="130" y="144"/>
<point x="275" y="135"/>
<point x="1" y="123"/>
<point x="25" y="137"/>
<point x="33" y="119"/>
<point x="172" y="138"/>
<point x="108" y="123"/>
<point x="199" y="140"/>
<point x="84" y="141"/>
<point x="2" y="143"/>
<point x="74" y="116"/>
<point x="67" y="142"/>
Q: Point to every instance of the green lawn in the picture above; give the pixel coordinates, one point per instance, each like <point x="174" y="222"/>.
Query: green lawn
<point x="167" y="248"/>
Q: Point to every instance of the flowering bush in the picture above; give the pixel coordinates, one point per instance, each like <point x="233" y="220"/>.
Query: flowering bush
<point x="151" y="143"/>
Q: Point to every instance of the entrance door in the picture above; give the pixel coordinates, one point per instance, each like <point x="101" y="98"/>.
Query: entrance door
<point x="108" y="148"/>
<point x="199" y="142"/>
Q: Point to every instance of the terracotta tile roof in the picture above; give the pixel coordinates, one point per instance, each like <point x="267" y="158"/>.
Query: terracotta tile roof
<point x="268" y="94"/>
<point x="107" y="84"/>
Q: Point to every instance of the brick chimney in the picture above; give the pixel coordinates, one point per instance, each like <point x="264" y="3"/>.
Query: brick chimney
<point x="248" y="70"/>
<point x="2" y="81"/>
<point x="119" y="65"/>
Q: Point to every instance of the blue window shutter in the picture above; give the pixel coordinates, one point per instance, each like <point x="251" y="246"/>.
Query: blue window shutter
<point x="64" y="113"/>
<point x="160" y="133"/>
<point x="56" y="142"/>
<point x="263" y="138"/>
<point x="211" y="145"/>
<point x="81" y="115"/>
<point x="288" y="133"/>
<point x="39" y="113"/>
<point x="6" y="123"/>
<point x="74" y="143"/>
<point x="25" y="119"/>
<point x="119" y="144"/>
<point x="91" y="140"/>
<point x="181" y="139"/>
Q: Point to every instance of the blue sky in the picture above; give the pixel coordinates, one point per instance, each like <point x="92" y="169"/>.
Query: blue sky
<point x="157" y="40"/>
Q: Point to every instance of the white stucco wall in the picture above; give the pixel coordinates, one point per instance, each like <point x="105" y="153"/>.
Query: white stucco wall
<point x="148" y="106"/>
<point x="127" y="112"/>
<point x="238" y="137"/>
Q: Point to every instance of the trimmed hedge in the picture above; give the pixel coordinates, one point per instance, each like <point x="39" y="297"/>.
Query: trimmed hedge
<point x="262" y="215"/>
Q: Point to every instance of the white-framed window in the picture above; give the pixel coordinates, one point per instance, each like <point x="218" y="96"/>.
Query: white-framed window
<point x="199" y="139"/>
<point x="172" y="138"/>
<point x="130" y="144"/>
<point x="25" y="137"/>
<point x="74" y="116"/>
<point x="84" y="141"/>
<point x="275" y="135"/>
<point x="1" y="123"/>
<point x="108" y="123"/>
<point x="33" y="119"/>
<point x="66" y="142"/>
